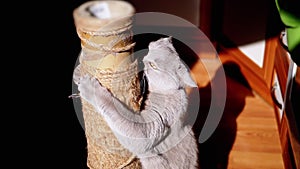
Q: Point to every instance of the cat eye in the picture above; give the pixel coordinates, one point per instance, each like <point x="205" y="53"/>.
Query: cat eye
<point x="152" y="65"/>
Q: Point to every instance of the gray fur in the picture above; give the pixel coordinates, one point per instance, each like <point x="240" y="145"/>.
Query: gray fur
<point x="157" y="135"/>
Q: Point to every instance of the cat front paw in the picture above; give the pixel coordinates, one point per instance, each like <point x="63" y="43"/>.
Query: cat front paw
<point x="92" y="91"/>
<point x="77" y="74"/>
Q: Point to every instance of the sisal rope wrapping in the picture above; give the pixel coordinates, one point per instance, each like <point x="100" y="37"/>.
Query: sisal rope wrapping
<point x="107" y="55"/>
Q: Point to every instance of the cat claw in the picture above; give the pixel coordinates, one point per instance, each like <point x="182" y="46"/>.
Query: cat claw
<point x="74" y="95"/>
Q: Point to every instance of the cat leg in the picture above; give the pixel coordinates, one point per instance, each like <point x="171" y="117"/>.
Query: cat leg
<point x="156" y="161"/>
<point x="132" y="130"/>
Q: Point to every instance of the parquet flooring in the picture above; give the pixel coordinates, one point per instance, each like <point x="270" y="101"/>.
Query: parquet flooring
<point x="247" y="135"/>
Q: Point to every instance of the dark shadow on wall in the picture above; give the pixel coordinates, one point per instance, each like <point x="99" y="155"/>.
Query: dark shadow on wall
<point x="185" y="52"/>
<point x="214" y="152"/>
<point x="237" y="23"/>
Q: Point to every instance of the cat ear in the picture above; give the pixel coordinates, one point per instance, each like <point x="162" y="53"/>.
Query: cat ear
<point x="170" y="39"/>
<point x="186" y="77"/>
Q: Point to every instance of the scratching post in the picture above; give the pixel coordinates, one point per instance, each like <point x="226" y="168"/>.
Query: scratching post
<point x="104" y="28"/>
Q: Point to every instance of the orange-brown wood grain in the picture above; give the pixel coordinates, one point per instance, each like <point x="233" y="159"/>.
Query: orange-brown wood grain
<point x="247" y="136"/>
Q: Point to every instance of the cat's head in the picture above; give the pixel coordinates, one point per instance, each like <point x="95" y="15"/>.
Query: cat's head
<point x="164" y="69"/>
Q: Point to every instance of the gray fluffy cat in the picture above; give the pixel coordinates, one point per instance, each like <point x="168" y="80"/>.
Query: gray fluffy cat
<point x="159" y="134"/>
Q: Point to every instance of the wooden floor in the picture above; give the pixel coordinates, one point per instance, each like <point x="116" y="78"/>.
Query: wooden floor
<point x="247" y="135"/>
<point x="257" y="142"/>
